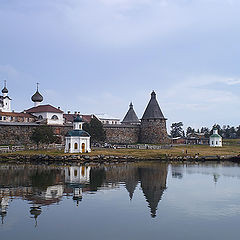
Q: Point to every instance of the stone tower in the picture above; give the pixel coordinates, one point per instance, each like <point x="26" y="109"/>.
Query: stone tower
<point x="153" y="124"/>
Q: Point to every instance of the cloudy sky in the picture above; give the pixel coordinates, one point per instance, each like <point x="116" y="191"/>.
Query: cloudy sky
<point x="95" y="56"/>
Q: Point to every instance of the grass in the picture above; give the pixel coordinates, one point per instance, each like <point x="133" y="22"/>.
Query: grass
<point x="230" y="147"/>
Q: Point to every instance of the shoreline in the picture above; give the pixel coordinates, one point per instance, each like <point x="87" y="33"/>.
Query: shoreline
<point x="108" y="159"/>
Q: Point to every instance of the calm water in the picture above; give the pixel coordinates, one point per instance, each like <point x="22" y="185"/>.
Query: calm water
<point x="132" y="201"/>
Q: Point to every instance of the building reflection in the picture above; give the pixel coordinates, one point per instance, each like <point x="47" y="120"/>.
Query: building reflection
<point x="42" y="186"/>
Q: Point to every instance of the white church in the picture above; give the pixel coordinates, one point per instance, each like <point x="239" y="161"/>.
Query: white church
<point x="45" y="113"/>
<point x="77" y="140"/>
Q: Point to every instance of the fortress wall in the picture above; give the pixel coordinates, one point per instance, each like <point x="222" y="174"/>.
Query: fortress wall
<point x="122" y="134"/>
<point x="20" y="134"/>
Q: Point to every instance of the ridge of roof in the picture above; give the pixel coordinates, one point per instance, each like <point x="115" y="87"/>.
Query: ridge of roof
<point x="44" y="108"/>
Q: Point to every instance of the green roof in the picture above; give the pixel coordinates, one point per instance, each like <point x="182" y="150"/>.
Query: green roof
<point x="215" y="135"/>
<point x="77" y="133"/>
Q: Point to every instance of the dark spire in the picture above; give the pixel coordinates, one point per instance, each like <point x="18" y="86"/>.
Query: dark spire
<point x="131" y="116"/>
<point x="37" y="97"/>
<point x="5" y="90"/>
<point x="153" y="110"/>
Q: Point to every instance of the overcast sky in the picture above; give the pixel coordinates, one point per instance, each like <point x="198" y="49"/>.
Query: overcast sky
<point x="95" y="56"/>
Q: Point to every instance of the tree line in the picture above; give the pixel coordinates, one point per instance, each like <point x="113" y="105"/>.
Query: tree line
<point x="226" y="131"/>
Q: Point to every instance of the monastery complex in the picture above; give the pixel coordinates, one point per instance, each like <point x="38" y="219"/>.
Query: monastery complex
<point x="16" y="127"/>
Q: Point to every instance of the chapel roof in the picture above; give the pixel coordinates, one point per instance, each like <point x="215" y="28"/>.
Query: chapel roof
<point x="44" y="108"/>
<point x="77" y="133"/>
<point x="153" y="110"/>
<point x="131" y="116"/>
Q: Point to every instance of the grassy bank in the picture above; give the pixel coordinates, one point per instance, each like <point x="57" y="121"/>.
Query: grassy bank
<point x="231" y="147"/>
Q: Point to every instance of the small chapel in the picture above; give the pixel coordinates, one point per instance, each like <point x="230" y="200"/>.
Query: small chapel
<point x="77" y="140"/>
<point x="215" y="139"/>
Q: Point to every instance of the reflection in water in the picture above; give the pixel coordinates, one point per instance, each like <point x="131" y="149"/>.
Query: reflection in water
<point x="112" y="198"/>
<point x="44" y="185"/>
<point x="153" y="183"/>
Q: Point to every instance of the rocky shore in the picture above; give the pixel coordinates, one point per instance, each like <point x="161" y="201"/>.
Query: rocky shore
<point x="105" y="159"/>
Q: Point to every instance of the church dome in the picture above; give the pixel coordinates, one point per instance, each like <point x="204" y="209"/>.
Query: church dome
<point x="5" y="90"/>
<point x="37" y="97"/>
<point x="78" y="119"/>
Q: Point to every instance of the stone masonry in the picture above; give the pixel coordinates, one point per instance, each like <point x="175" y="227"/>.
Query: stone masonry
<point x="122" y="134"/>
<point x="18" y="134"/>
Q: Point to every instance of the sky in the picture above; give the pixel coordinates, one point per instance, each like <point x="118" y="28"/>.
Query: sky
<point x="96" y="56"/>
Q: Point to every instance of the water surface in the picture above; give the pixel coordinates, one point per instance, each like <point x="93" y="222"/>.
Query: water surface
<point x="127" y="201"/>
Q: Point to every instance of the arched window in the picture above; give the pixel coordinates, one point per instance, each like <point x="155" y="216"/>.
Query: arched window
<point x="75" y="146"/>
<point x="54" y="117"/>
<point x="40" y="117"/>
<point x="83" y="147"/>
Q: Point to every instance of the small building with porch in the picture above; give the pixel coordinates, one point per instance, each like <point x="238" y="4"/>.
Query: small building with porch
<point x="77" y="140"/>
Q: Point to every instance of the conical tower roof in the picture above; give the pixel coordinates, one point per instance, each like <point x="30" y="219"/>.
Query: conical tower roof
<point x="153" y="110"/>
<point x="131" y="116"/>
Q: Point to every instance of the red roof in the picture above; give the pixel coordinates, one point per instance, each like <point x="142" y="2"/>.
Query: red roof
<point x="70" y="117"/>
<point x="16" y="114"/>
<point x="44" y="108"/>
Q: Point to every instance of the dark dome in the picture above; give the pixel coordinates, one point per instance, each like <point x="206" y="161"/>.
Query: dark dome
<point x="77" y="133"/>
<point x="37" y="97"/>
<point x="78" y="119"/>
<point x="4" y="90"/>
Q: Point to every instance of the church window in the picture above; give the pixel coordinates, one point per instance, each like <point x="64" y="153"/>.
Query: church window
<point x="216" y="142"/>
<point x="54" y="117"/>
<point x="75" y="146"/>
<point x="69" y="146"/>
<point x="75" y="173"/>
<point x="0" y="117"/>
<point x="40" y="117"/>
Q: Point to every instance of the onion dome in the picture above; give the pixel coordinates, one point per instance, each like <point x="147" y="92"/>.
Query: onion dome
<point x="5" y="90"/>
<point x="37" y="97"/>
<point x="78" y="119"/>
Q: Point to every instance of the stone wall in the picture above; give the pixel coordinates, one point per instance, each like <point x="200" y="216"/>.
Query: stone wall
<point x="122" y="134"/>
<point x="154" y="132"/>
<point x="20" y="134"/>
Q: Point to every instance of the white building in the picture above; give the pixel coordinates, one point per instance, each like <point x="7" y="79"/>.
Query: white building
<point x="77" y="140"/>
<point x="215" y="139"/>
<point x="106" y="119"/>
<point x="46" y="114"/>
<point x="5" y="100"/>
